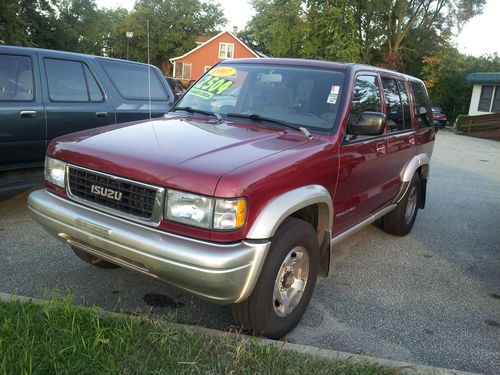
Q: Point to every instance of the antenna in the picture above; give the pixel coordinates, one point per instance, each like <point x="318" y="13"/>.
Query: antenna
<point x="149" y="71"/>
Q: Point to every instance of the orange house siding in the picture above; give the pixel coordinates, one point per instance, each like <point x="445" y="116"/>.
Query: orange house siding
<point x="208" y="54"/>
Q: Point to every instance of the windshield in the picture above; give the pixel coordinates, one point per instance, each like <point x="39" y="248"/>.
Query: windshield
<point x="307" y="97"/>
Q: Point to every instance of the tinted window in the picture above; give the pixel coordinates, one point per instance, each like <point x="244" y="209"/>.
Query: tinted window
<point x="397" y="107"/>
<point x="16" y="78"/>
<point x="485" y="99"/>
<point x="131" y="80"/>
<point x="366" y="97"/>
<point x="496" y="101"/>
<point x="94" y="89"/>
<point x="66" y="81"/>
<point x="422" y="105"/>
<point x="403" y="93"/>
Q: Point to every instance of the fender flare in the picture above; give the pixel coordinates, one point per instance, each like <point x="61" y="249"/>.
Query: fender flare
<point x="281" y="207"/>
<point x="420" y="160"/>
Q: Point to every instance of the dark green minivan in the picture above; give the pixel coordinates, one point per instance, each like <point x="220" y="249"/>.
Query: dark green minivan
<point x="46" y="93"/>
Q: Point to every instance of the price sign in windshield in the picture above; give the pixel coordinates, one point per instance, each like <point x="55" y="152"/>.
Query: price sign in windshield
<point x="211" y="85"/>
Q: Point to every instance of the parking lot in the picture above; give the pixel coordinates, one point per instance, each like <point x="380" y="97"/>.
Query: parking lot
<point x="432" y="297"/>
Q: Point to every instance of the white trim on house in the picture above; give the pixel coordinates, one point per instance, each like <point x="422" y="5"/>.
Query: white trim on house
<point x="476" y="97"/>
<point x="208" y="41"/>
<point x="225" y="52"/>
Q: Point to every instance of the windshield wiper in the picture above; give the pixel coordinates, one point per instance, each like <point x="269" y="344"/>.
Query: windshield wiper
<point x="194" y="110"/>
<point x="257" y="117"/>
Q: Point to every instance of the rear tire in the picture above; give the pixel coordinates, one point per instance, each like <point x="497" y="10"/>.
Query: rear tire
<point x="286" y="282"/>
<point x="92" y="259"/>
<point x="400" y="220"/>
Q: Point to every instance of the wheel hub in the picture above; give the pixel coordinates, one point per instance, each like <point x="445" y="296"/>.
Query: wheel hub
<point x="291" y="281"/>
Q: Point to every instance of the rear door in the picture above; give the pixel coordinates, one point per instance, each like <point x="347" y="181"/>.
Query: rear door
<point x="363" y="183"/>
<point x="22" y="115"/>
<point x="401" y="138"/>
<point x="74" y="99"/>
<point x="134" y="87"/>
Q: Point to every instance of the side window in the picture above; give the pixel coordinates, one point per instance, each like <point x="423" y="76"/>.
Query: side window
<point x="366" y="98"/>
<point x="397" y="107"/>
<point x="71" y="81"/>
<point x="422" y="105"/>
<point x="16" y="78"/>
<point x="94" y="89"/>
<point x="131" y="80"/>
<point x="403" y="93"/>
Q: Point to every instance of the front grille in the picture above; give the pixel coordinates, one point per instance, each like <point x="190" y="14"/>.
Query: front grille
<point x="125" y="196"/>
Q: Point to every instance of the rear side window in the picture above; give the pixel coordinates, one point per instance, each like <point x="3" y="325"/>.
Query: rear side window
<point x="16" y="78"/>
<point x="131" y="80"/>
<point x="71" y="81"/>
<point x="423" y="111"/>
<point x="397" y="107"/>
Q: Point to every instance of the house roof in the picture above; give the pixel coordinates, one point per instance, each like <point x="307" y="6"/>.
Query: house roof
<point x="203" y="39"/>
<point x="488" y="77"/>
<point x="208" y="41"/>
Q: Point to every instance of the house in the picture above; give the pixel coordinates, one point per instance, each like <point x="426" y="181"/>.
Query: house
<point x="485" y="93"/>
<point x="209" y="51"/>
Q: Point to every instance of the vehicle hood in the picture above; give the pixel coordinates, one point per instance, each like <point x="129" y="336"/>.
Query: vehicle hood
<point x="185" y="153"/>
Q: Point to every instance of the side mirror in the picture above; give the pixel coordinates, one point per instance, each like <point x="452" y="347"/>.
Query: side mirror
<point x="369" y="123"/>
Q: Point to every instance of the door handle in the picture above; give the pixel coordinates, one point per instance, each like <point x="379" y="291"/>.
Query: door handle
<point x="411" y="140"/>
<point x="381" y="149"/>
<point x="30" y="114"/>
<point x="101" y="114"/>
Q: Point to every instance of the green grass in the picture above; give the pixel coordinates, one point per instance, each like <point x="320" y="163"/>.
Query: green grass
<point x="58" y="338"/>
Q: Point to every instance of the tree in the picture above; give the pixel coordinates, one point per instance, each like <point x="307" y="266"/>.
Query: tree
<point x="445" y="77"/>
<point x="277" y="29"/>
<point x="173" y="24"/>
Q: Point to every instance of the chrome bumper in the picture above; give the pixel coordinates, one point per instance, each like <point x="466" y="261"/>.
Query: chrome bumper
<point x="221" y="273"/>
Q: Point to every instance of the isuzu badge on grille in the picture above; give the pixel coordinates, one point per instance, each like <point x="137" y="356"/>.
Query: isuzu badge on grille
<point x="105" y="192"/>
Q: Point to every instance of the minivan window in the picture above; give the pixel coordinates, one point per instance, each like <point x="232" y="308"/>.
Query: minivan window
<point x="396" y="103"/>
<point x="71" y="81"/>
<point x="422" y="105"/>
<point x="16" y="78"/>
<point x="131" y="80"/>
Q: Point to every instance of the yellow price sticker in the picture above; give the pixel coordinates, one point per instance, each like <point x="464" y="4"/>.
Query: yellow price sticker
<point x="223" y="71"/>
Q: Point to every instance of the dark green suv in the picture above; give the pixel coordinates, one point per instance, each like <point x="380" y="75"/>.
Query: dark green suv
<point x="46" y="93"/>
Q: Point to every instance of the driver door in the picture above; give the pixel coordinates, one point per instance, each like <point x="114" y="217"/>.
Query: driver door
<point x="364" y="179"/>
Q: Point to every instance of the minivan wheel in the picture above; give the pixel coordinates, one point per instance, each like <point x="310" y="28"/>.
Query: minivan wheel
<point x="92" y="259"/>
<point x="286" y="282"/>
<point x="400" y="220"/>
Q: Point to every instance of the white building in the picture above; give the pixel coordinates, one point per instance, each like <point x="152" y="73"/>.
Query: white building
<point x="485" y="93"/>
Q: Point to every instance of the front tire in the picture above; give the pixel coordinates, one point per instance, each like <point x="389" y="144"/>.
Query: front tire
<point x="92" y="259"/>
<point x="400" y="220"/>
<point x="286" y="282"/>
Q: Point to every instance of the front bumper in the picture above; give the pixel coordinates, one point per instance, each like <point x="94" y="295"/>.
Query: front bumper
<point x="221" y="273"/>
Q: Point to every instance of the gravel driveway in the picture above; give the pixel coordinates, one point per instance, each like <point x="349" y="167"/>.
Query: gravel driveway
<point x="432" y="297"/>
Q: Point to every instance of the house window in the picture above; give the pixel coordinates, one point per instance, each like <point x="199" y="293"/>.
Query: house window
<point x="496" y="100"/>
<point x="182" y="70"/>
<point x="226" y="50"/>
<point x="485" y="99"/>
<point x="207" y="68"/>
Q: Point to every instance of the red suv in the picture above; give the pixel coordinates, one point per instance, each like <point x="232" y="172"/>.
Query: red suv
<point x="240" y="193"/>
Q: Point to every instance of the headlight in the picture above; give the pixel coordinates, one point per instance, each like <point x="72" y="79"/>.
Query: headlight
<point x="205" y="212"/>
<point x="189" y="208"/>
<point x="55" y="171"/>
